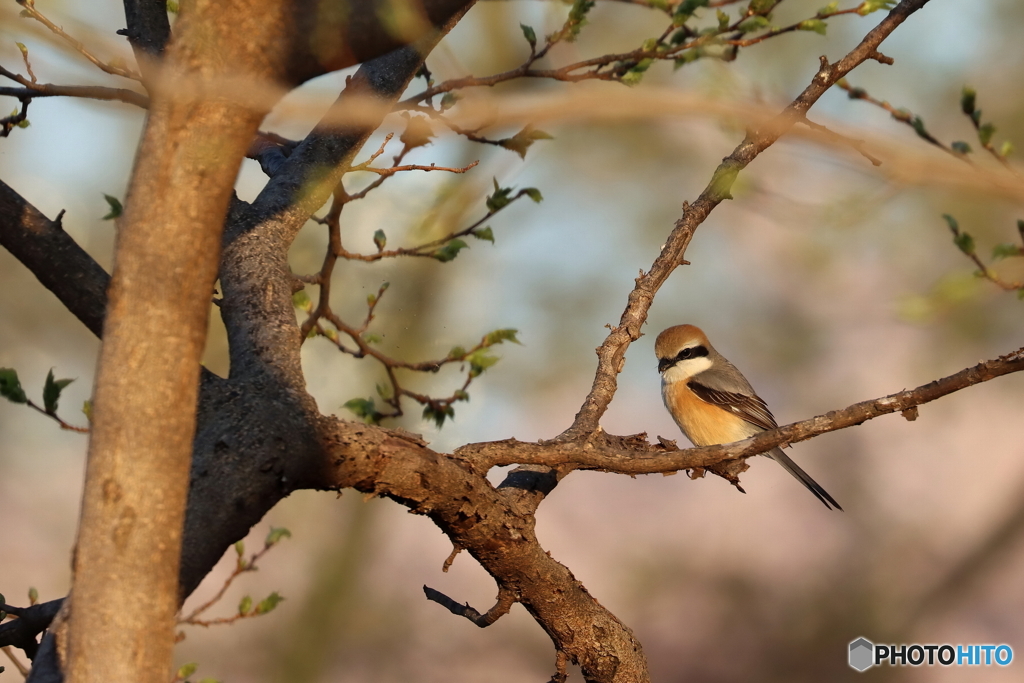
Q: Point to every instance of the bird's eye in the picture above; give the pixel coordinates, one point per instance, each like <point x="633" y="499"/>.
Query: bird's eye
<point x="685" y="353"/>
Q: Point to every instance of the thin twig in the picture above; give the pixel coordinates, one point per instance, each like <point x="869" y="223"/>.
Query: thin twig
<point x="22" y="669"/>
<point x="30" y="9"/>
<point x="505" y="600"/>
<point x="32" y="89"/>
<point x="856" y="144"/>
<point x="53" y="415"/>
<point x="416" y="167"/>
<point x="241" y="567"/>
<point x="902" y="115"/>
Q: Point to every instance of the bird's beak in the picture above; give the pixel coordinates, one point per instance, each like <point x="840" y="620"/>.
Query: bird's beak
<point x="664" y="364"/>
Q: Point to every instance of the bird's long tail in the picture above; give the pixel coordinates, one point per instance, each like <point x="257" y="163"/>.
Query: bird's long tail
<point x="805" y="479"/>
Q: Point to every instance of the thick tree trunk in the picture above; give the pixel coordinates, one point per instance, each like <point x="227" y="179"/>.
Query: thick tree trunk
<point x="125" y="587"/>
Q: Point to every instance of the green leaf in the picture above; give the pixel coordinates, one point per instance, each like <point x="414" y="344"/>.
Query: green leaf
<point x="24" y="123"/>
<point x="961" y="147"/>
<point x="636" y="73"/>
<point x="115" y="207"/>
<point x="187" y="670"/>
<point x="985" y="133"/>
<point x="10" y="386"/>
<point x="968" y="100"/>
<point x="172" y="6"/>
<point x="87" y="409"/>
<point x="1001" y="251"/>
<point x="499" y="199"/>
<point x="918" y="123"/>
<point x="479" y="361"/>
<point x="685" y="10"/>
<point x="240" y="548"/>
<point x="456" y="352"/>
<point x="952" y="223"/>
<point x="965" y="242"/>
<point x="534" y="194"/>
<point x="461" y="395"/>
<point x="372" y="338"/>
<point x="276" y="534"/>
<point x="816" y="25"/>
<point x="723" y="179"/>
<point x="499" y="336"/>
<point x="33" y="595"/>
<point x="688" y="57"/>
<point x="530" y="35"/>
<point x="301" y="301"/>
<point x="268" y="603"/>
<point x="364" y="408"/>
<point x="438" y="414"/>
<point x="380" y="240"/>
<point x="448" y="101"/>
<point x="417" y="133"/>
<point x="385" y="391"/>
<point x="521" y="141"/>
<point x="723" y="20"/>
<point x="869" y="6"/>
<point x="24" y="50"/>
<point x="208" y="680"/>
<point x="761" y="6"/>
<point x="1006" y="149"/>
<point x="51" y="391"/>
<point x="829" y="9"/>
<point x="449" y="251"/>
<point x="577" y="18"/>
<point x="755" y="23"/>
<point x="245" y="605"/>
<point x="484" y="234"/>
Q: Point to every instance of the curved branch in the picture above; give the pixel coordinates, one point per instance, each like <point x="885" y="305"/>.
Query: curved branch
<point x="493" y="529"/>
<point x="612" y="352"/>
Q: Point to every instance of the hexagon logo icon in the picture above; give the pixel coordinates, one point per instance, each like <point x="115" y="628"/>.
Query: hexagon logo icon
<point x="862" y="653"/>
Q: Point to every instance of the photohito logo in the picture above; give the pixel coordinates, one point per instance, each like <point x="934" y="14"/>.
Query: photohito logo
<point x="864" y="654"/>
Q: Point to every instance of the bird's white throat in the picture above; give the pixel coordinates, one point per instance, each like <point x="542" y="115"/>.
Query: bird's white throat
<point x="685" y="369"/>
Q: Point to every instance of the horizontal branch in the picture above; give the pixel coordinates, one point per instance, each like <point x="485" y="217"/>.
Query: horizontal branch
<point x="93" y="92"/>
<point x="633" y="455"/>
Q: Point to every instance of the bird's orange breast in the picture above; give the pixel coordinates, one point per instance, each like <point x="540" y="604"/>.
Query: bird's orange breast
<point x="703" y="423"/>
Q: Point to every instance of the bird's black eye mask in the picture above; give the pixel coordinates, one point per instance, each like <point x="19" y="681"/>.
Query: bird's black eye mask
<point x="691" y="352"/>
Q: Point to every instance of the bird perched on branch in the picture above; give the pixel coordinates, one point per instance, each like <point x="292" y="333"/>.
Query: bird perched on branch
<point x="712" y="402"/>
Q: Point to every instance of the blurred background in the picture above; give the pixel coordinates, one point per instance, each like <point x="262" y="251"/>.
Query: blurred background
<point x="825" y="280"/>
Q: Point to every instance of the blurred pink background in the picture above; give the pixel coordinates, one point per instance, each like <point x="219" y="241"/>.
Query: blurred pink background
<point x="825" y="282"/>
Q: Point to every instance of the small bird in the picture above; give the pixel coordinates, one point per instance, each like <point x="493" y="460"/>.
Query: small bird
<point x="712" y="402"/>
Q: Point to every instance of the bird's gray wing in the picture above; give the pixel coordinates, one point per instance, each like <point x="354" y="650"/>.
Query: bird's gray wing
<point x="748" y="406"/>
